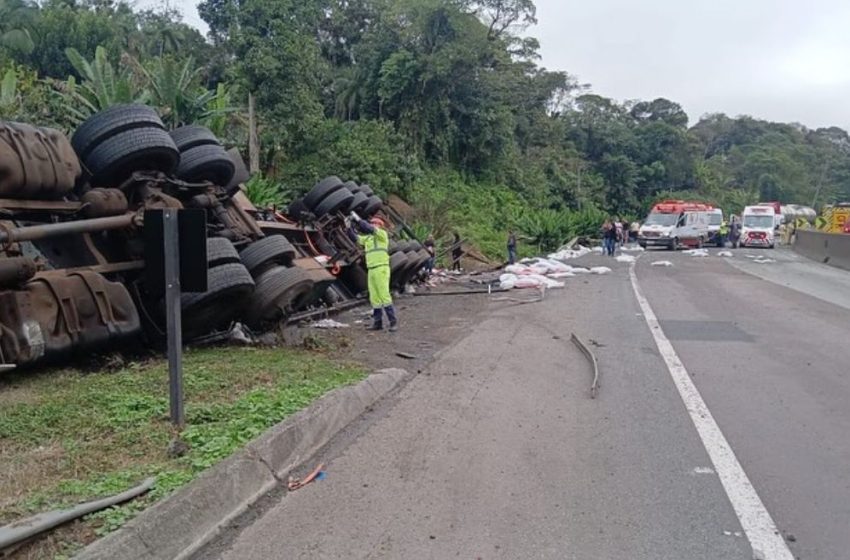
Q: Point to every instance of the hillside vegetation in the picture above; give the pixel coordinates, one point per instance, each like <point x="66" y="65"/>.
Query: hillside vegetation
<point x="441" y="101"/>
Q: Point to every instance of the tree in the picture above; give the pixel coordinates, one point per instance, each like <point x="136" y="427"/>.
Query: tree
<point x="16" y="18"/>
<point x="502" y="16"/>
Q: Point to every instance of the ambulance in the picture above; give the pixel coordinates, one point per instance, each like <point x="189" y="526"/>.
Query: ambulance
<point x="758" y="227"/>
<point x="673" y="223"/>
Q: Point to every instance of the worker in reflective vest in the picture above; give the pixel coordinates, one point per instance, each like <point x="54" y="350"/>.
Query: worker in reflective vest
<point x="374" y="240"/>
<point x="723" y="233"/>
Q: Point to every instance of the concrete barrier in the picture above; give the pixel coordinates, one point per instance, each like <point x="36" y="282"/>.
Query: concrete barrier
<point x="180" y="524"/>
<point x="829" y="248"/>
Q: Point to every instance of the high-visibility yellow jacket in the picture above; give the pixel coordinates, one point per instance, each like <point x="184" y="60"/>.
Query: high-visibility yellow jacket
<point x="377" y="248"/>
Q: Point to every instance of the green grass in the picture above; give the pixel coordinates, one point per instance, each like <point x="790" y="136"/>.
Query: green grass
<point x="68" y="436"/>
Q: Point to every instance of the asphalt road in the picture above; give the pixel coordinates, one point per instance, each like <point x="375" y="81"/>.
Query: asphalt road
<point x="497" y="451"/>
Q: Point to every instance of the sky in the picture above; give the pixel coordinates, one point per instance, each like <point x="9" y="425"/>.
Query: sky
<point x="781" y="60"/>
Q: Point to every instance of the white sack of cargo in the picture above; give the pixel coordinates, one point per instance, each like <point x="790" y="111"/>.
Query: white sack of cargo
<point x="624" y="258"/>
<point x="580" y="270"/>
<point x="600" y="270"/>
<point x="561" y="275"/>
<point x="725" y="254"/>
<point x="696" y="252"/>
<point x="662" y="263"/>
<point x="507" y="277"/>
<point x="517" y="269"/>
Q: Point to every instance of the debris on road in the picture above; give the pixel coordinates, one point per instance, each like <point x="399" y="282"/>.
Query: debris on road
<point x="764" y="260"/>
<point x="662" y="263"/>
<point x="632" y="248"/>
<point x="725" y="254"/>
<point x="600" y="270"/>
<point x="696" y="252"/>
<point x="565" y="253"/>
<point x="625" y="258"/>
<point x="329" y="324"/>
<point x="594" y="386"/>
<point x="296" y="483"/>
<point x="407" y="355"/>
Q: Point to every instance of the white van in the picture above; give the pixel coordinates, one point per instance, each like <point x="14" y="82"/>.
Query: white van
<point x="673" y="223"/>
<point x="758" y="227"/>
<point x="715" y="218"/>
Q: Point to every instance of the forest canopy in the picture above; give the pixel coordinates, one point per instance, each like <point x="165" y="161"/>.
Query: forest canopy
<point x="442" y="101"/>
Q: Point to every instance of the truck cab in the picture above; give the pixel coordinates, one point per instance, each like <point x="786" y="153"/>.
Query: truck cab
<point x="758" y="227"/>
<point x="673" y="223"/>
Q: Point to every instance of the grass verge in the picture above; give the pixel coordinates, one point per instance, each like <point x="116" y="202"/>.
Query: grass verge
<point x="69" y="436"/>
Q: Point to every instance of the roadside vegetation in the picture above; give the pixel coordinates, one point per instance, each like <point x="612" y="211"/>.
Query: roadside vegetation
<point x="439" y="101"/>
<point x="70" y="435"/>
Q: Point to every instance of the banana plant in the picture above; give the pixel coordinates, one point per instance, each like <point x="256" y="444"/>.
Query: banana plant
<point x="102" y="84"/>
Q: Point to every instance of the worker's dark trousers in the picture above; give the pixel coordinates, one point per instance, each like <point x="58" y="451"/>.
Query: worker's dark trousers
<point x="378" y="316"/>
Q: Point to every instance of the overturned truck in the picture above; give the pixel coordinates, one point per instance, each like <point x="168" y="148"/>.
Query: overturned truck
<point x="72" y="253"/>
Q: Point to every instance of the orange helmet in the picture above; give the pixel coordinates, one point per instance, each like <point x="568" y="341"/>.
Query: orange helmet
<point x="377" y="221"/>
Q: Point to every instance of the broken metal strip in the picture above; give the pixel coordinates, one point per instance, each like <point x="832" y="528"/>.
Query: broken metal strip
<point x="594" y="387"/>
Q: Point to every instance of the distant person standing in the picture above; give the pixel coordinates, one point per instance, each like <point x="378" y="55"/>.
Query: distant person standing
<point x="511" y="247"/>
<point x="430" y="246"/>
<point x="609" y="237"/>
<point x="634" y="229"/>
<point x="723" y="233"/>
<point x="735" y="232"/>
<point x="618" y="228"/>
<point x="457" y="252"/>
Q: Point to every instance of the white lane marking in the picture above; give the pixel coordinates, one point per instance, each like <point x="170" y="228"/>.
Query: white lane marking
<point x="761" y="531"/>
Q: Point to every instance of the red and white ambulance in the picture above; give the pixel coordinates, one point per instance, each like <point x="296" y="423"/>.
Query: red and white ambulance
<point x="673" y="223"/>
<point x="758" y="226"/>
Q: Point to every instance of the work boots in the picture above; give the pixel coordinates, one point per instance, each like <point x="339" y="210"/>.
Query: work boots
<point x="392" y="317"/>
<point x="377" y="321"/>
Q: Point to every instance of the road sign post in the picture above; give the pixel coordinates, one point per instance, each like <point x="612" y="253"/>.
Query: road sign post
<point x="175" y="262"/>
<point x="174" y="332"/>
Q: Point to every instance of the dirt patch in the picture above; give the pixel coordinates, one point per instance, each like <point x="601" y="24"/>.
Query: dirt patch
<point x="427" y="325"/>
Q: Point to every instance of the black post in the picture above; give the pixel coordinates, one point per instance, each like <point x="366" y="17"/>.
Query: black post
<point x="171" y="242"/>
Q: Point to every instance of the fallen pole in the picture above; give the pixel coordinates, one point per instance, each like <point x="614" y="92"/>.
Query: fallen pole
<point x="24" y="529"/>
<point x="594" y="387"/>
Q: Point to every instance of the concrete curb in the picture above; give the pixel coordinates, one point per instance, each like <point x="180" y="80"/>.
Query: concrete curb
<point x="180" y="524"/>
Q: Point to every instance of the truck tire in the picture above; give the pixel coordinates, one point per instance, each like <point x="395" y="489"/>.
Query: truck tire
<point x="206" y="163"/>
<point x="355" y="278"/>
<point x="674" y="244"/>
<point x="372" y="207"/>
<point x="321" y="190"/>
<point x="267" y="252"/>
<point x="338" y="200"/>
<point x="366" y="189"/>
<point x="139" y="149"/>
<point x="359" y="202"/>
<point x="109" y="122"/>
<point x="279" y="292"/>
<point x="353" y="187"/>
<point x="398" y="262"/>
<point x="193" y="135"/>
<point x="221" y="251"/>
<point x="228" y="287"/>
